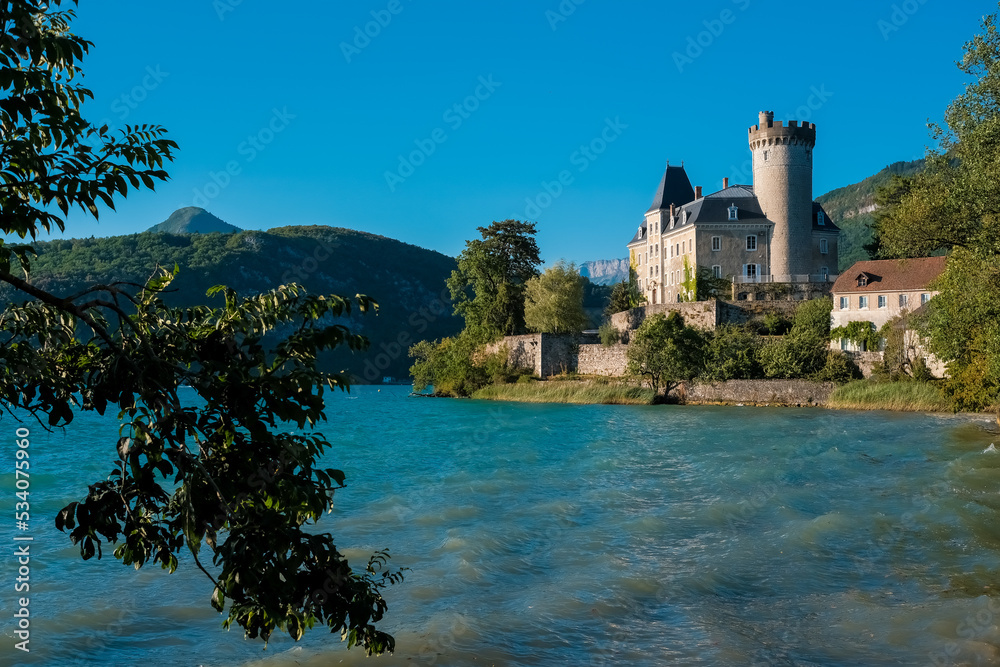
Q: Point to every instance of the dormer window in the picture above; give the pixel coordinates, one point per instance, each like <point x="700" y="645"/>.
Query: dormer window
<point x="862" y="280"/>
<point x="685" y="218"/>
<point x="821" y="219"/>
<point x="733" y="212"/>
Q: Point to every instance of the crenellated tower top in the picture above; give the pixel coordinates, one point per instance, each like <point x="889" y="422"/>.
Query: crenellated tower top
<point x="768" y="132"/>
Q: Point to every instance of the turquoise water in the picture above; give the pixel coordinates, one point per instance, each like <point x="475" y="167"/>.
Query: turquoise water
<point x="581" y="535"/>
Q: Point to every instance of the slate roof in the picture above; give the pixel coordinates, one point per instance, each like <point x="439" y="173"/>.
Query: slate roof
<point x="828" y="226"/>
<point x="715" y="207"/>
<point x="891" y="275"/>
<point x="675" y="188"/>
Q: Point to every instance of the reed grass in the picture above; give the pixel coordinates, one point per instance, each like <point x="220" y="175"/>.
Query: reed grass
<point x="899" y="396"/>
<point x="567" y="392"/>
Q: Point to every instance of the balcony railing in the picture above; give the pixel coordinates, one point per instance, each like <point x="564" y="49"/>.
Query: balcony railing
<point x="794" y="278"/>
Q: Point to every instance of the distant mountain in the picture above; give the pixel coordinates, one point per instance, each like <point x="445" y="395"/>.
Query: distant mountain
<point x="851" y="208"/>
<point x="605" y="271"/>
<point x="408" y="282"/>
<point x="193" y="220"/>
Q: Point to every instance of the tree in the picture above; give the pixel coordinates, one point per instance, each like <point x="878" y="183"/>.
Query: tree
<point x="554" y="301"/>
<point x="710" y="287"/>
<point x="954" y="206"/>
<point x="665" y="351"/>
<point x="731" y="354"/>
<point x="222" y="474"/>
<point x="488" y="285"/>
<point x="625" y="295"/>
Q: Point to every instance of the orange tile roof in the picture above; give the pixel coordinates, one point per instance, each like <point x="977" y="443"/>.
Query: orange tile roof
<point x="891" y="275"/>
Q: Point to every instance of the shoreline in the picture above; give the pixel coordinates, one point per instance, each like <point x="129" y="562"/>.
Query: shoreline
<point x="861" y="395"/>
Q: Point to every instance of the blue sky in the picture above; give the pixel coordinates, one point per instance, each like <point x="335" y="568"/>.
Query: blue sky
<point x="297" y="116"/>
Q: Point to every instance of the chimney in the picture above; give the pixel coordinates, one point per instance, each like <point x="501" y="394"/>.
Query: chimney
<point x="697" y="192"/>
<point x="671" y="211"/>
<point x="725" y="183"/>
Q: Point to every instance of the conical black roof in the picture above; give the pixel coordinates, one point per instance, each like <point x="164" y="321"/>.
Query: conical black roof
<point x="675" y="188"/>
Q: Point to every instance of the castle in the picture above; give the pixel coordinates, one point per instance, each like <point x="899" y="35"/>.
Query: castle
<point x="771" y="232"/>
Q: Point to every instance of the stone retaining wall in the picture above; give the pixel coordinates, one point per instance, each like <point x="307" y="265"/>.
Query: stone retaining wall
<point x="600" y="360"/>
<point x="758" y="392"/>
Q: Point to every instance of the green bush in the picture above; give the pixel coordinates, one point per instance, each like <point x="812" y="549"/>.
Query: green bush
<point x="776" y="324"/>
<point x="838" y="368"/>
<point x="732" y="354"/>
<point x="609" y="334"/>
<point x="800" y="354"/>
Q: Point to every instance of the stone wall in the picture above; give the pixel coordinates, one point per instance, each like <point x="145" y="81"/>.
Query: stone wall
<point x="706" y="314"/>
<point x="701" y="314"/>
<point x="543" y="354"/>
<point x="741" y="312"/>
<point x="758" y="392"/>
<point x="601" y="360"/>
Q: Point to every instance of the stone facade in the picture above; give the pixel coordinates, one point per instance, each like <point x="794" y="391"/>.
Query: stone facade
<point x="596" y="359"/>
<point x="543" y="354"/>
<point x="700" y="314"/>
<point x="769" y="232"/>
<point x="782" y="181"/>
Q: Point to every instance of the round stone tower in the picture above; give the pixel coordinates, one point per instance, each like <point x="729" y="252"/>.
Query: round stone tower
<point x="782" y="181"/>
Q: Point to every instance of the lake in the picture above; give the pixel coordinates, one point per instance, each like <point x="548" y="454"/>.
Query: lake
<point x="579" y="535"/>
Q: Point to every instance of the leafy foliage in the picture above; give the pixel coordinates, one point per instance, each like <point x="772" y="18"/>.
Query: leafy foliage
<point x="458" y="366"/>
<point x="554" y="301"/>
<point x="223" y="474"/>
<point x="609" y="334"/>
<point x="488" y="285"/>
<point x="862" y="333"/>
<point x="710" y="287"/>
<point x="665" y="351"/>
<point x="954" y="205"/>
<point x="800" y="354"/>
<point x="814" y="316"/>
<point x="732" y="353"/>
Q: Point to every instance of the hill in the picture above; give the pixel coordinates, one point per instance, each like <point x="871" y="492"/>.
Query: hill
<point x="193" y="220"/>
<point x="407" y="281"/>
<point x="851" y="207"/>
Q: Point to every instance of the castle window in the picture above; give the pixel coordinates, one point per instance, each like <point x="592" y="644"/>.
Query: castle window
<point x="824" y="271"/>
<point x="677" y="248"/>
<point x="924" y="298"/>
<point x="750" y="272"/>
<point x="824" y="246"/>
<point x="882" y="302"/>
<point x="752" y="242"/>
<point x="862" y="280"/>
<point x="716" y="243"/>
<point x="671" y="251"/>
<point x="821" y="219"/>
<point x="766" y="155"/>
<point x="863" y="302"/>
<point x="657" y="251"/>
<point x="717" y="271"/>
<point x="845" y="303"/>
<point x="733" y="212"/>
<point x="902" y="300"/>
